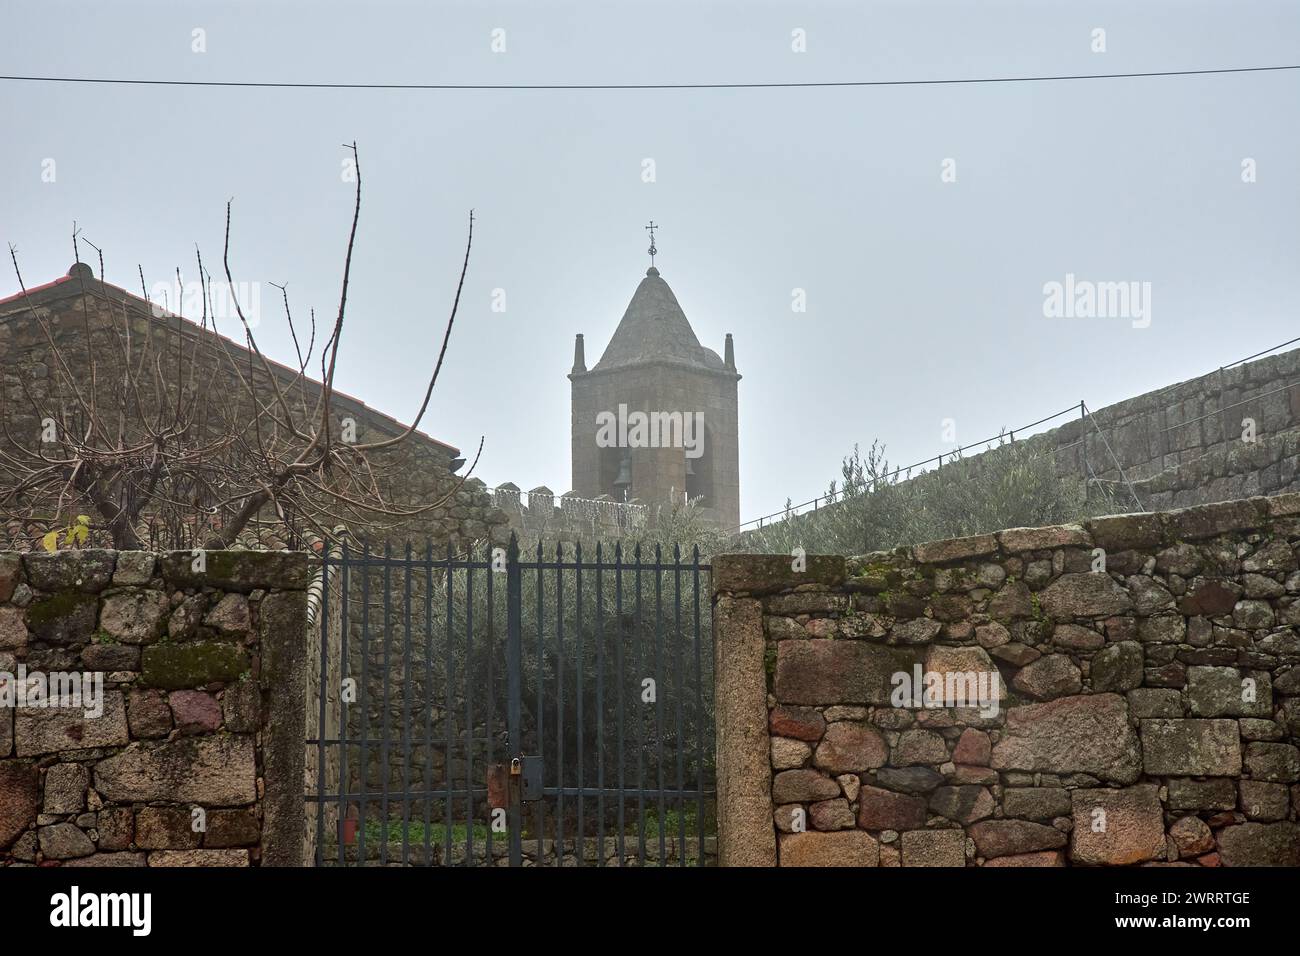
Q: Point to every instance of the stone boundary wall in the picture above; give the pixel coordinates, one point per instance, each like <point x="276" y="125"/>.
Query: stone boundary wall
<point x="202" y="707"/>
<point x="1146" y="709"/>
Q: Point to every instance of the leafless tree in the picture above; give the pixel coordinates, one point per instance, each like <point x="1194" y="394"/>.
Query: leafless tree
<point x="162" y="432"/>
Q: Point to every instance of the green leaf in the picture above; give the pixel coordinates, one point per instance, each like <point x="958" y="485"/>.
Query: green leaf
<point x="51" y="541"/>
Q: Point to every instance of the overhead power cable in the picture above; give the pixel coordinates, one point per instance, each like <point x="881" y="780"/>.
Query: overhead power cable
<point x="793" y="85"/>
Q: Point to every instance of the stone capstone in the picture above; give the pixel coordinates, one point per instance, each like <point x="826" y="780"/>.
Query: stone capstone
<point x="134" y="567"/>
<point x="86" y="570"/>
<point x="239" y="570"/>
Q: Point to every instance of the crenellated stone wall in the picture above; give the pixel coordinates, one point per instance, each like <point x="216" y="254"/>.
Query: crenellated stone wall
<point x="193" y="753"/>
<point x="540" y="514"/>
<point x="1126" y="692"/>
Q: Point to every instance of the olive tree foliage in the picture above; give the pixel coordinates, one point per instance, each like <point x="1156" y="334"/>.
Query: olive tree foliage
<point x="876" y="507"/>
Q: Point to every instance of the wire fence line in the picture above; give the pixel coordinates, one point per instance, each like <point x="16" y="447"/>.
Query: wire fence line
<point x="1086" y="415"/>
<point x="1111" y="452"/>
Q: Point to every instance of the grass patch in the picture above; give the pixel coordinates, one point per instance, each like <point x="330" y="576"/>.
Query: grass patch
<point x="437" y="833"/>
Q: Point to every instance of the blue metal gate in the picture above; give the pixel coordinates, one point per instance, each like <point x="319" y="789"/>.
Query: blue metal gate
<point x="497" y="708"/>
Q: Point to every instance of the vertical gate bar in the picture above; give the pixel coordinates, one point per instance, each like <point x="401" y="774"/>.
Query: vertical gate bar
<point x="428" y="700"/>
<point x="710" y="729"/>
<point x="559" y="701"/>
<point x="620" y="679"/>
<point x="490" y="697"/>
<point x="699" y="717"/>
<point x="659" y="696"/>
<point x="448" y="804"/>
<point x="640" y="718"/>
<point x="514" y="662"/>
<point x="386" y="743"/>
<point x="345" y="624"/>
<point x="320" y="726"/>
<point x="580" y="837"/>
<point x="364" y="697"/>
<point x="600" y="711"/>
<point x="407" y="690"/>
<point x="679" y="692"/>
<point x="469" y="705"/>
<point x="539" y="827"/>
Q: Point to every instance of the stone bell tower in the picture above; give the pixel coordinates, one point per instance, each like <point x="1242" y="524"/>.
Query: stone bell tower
<point x="656" y="417"/>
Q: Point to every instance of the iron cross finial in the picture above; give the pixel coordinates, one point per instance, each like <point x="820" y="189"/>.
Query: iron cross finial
<point x="653" y="251"/>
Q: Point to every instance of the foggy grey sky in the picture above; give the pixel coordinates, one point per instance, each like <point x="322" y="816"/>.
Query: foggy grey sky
<point x="925" y="299"/>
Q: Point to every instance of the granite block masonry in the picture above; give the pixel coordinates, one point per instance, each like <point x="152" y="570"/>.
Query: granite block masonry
<point x="193" y="755"/>
<point x="1140" y="703"/>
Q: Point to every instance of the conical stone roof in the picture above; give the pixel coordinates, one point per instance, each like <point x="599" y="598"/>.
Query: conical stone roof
<point x="654" y="329"/>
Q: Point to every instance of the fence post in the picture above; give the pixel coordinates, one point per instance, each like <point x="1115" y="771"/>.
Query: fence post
<point x="746" y="834"/>
<point x="514" y="602"/>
